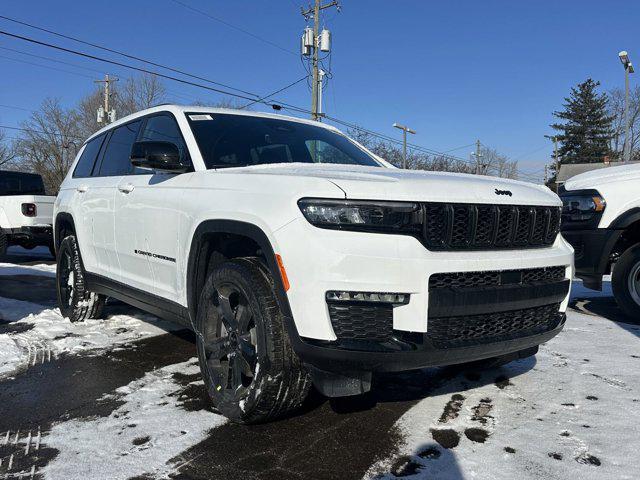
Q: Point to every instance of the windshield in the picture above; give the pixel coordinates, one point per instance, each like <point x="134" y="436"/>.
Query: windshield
<point x="227" y="140"/>
<point x="16" y="183"/>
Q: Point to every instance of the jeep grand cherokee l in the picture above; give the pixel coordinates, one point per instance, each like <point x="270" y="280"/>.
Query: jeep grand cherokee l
<point x="298" y="257"/>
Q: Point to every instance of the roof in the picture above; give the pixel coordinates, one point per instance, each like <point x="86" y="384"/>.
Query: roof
<point x="569" y="170"/>
<point x="181" y="109"/>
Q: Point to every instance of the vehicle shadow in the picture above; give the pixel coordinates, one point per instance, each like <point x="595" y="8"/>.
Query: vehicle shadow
<point x="21" y="256"/>
<point x="604" y="305"/>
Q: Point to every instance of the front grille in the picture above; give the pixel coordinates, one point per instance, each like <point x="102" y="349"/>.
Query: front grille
<point x="469" y="330"/>
<point x="484" y="227"/>
<point x="496" y="278"/>
<point x="361" y="321"/>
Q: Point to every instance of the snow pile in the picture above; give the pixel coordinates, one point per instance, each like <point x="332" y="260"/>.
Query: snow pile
<point x="36" y="334"/>
<point x="573" y="412"/>
<point x="140" y="437"/>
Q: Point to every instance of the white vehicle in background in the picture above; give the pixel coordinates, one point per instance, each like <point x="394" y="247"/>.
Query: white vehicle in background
<point x="601" y="219"/>
<point x="299" y="257"/>
<point x="26" y="212"/>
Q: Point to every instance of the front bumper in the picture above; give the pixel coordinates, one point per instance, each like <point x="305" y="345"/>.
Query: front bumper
<point x="318" y="261"/>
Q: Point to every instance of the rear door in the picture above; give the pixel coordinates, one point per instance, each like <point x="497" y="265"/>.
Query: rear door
<point x="82" y="201"/>
<point x="149" y="216"/>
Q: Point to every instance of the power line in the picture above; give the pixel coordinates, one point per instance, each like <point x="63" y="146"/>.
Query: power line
<point x="126" y="55"/>
<point x="186" y="82"/>
<point x="274" y="93"/>
<point x="75" y="65"/>
<point x="45" y="66"/>
<point x="235" y="27"/>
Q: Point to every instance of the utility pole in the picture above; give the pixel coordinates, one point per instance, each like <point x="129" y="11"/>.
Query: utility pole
<point x="628" y="68"/>
<point x="314" y="41"/>
<point x="478" y="155"/>
<point x="104" y="113"/>
<point x="405" y="130"/>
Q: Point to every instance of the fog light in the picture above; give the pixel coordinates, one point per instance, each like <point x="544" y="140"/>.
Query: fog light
<point x="372" y="297"/>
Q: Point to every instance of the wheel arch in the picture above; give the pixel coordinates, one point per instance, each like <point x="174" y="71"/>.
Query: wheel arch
<point x="201" y="249"/>
<point x="64" y="223"/>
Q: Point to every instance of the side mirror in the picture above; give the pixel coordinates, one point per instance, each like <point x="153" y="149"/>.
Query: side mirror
<point x="163" y="156"/>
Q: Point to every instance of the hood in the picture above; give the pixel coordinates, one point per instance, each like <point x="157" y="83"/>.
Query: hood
<point x="595" y="178"/>
<point x="379" y="183"/>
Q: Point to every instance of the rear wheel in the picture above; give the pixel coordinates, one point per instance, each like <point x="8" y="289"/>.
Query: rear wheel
<point x="247" y="363"/>
<point x="625" y="281"/>
<point x="75" y="301"/>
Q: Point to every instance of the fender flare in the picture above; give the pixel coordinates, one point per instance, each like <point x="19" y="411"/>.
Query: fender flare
<point x="235" y="227"/>
<point x="57" y="227"/>
<point x="626" y="219"/>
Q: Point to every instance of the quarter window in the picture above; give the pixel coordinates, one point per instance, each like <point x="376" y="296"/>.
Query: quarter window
<point x="88" y="158"/>
<point x="116" y="159"/>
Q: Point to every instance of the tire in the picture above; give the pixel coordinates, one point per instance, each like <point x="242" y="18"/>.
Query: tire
<point x="75" y="301"/>
<point x="625" y="281"/>
<point x="4" y="243"/>
<point x="250" y="370"/>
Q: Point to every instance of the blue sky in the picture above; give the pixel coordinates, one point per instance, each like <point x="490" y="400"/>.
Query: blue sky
<point x="453" y="71"/>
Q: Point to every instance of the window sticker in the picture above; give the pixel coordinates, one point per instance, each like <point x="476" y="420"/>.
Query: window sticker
<point x="204" y="116"/>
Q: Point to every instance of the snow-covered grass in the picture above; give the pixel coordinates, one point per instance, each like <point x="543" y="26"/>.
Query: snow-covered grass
<point x="573" y="412"/>
<point x="140" y="437"/>
<point x="36" y="333"/>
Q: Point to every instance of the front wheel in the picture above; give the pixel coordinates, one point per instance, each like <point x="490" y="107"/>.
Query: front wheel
<point x="75" y="301"/>
<point x="248" y="365"/>
<point x="625" y="281"/>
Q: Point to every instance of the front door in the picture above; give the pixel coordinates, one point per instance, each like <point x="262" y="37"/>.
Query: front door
<point x="149" y="217"/>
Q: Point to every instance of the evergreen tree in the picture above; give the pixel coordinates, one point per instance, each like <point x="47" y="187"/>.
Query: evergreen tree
<point x="586" y="133"/>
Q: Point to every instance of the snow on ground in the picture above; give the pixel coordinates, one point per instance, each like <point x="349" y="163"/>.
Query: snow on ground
<point x="141" y="436"/>
<point x="39" y="269"/>
<point x="35" y="333"/>
<point x="572" y="412"/>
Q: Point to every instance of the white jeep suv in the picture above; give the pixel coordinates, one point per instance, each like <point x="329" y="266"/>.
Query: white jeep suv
<point x="298" y="257"/>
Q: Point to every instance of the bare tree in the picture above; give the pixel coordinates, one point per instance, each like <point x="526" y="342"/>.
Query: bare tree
<point x="7" y="152"/>
<point x="49" y="142"/>
<point x="616" y="109"/>
<point x="135" y="94"/>
<point x="498" y="164"/>
<point x="140" y="92"/>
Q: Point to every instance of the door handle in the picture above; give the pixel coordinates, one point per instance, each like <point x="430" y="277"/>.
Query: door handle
<point x="82" y="188"/>
<point x="128" y="188"/>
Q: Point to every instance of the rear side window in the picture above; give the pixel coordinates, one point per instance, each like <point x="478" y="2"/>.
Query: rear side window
<point x="88" y="158"/>
<point x="116" y="159"/>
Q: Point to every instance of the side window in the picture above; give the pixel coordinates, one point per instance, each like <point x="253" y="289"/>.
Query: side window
<point x="116" y="158"/>
<point x="88" y="158"/>
<point x="164" y="128"/>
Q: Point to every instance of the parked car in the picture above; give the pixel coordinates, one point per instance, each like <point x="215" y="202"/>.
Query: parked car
<point x="298" y="257"/>
<point x="26" y="212"/>
<point x="601" y="219"/>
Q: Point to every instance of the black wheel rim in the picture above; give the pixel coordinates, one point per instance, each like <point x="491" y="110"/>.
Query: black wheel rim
<point x="230" y="346"/>
<point x="66" y="278"/>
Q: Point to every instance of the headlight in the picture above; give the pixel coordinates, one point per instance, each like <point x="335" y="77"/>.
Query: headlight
<point x="582" y="207"/>
<point x="359" y="215"/>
